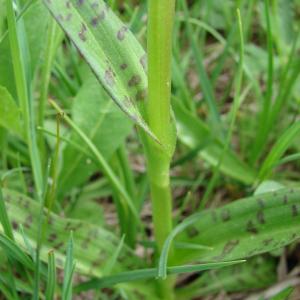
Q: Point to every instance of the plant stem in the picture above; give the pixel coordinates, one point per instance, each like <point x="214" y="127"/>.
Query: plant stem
<point x="160" y="28"/>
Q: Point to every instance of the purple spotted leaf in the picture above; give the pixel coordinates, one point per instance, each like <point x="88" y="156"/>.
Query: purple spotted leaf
<point x="93" y="245"/>
<point x="244" y="228"/>
<point x="110" y="49"/>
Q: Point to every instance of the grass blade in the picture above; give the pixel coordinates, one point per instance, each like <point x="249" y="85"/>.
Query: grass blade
<point x="205" y="82"/>
<point x="4" y="220"/>
<point x="51" y="279"/>
<point x="68" y="271"/>
<point x="15" y="252"/>
<point x="148" y="274"/>
<point x="278" y="150"/>
<point x="102" y="162"/>
<point x="24" y="95"/>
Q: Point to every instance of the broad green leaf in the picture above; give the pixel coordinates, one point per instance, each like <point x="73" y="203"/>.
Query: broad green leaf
<point x="10" y="114"/>
<point x="194" y="133"/>
<point x="93" y="245"/>
<point x="103" y="123"/>
<point x="244" y="228"/>
<point x="108" y="46"/>
<point x="256" y="273"/>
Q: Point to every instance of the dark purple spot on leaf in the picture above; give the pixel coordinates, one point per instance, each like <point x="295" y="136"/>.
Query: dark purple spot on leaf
<point x="134" y="80"/>
<point x="82" y="32"/>
<point x="122" y="33"/>
<point x="229" y="246"/>
<point x="15" y="225"/>
<point x="52" y="237"/>
<point x="260" y="217"/>
<point x="28" y="222"/>
<point x="124" y="66"/>
<point x="192" y="231"/>
<point x="96" y="20"/>
<point x="225" y="215"/>
<point x="72" y="227"/>
<point x="96" y="263"/>
<point x="58" y="246"/>
<point x="141" y="95"/>
<point x="251" y="228"/>
<point x="294" y="210"/>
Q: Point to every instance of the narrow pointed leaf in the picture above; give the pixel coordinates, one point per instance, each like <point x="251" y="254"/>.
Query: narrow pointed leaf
<point x="51" y="279"/>
<point x="150" y="273"/>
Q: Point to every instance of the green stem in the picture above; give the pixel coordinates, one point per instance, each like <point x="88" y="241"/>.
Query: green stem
<point x="160" y="28"/>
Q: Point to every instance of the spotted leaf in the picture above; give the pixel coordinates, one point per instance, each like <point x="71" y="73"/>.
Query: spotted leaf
<point x="111" y="50"/>
<point x="244" y="228"/>
<point x="93" y="245"/>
